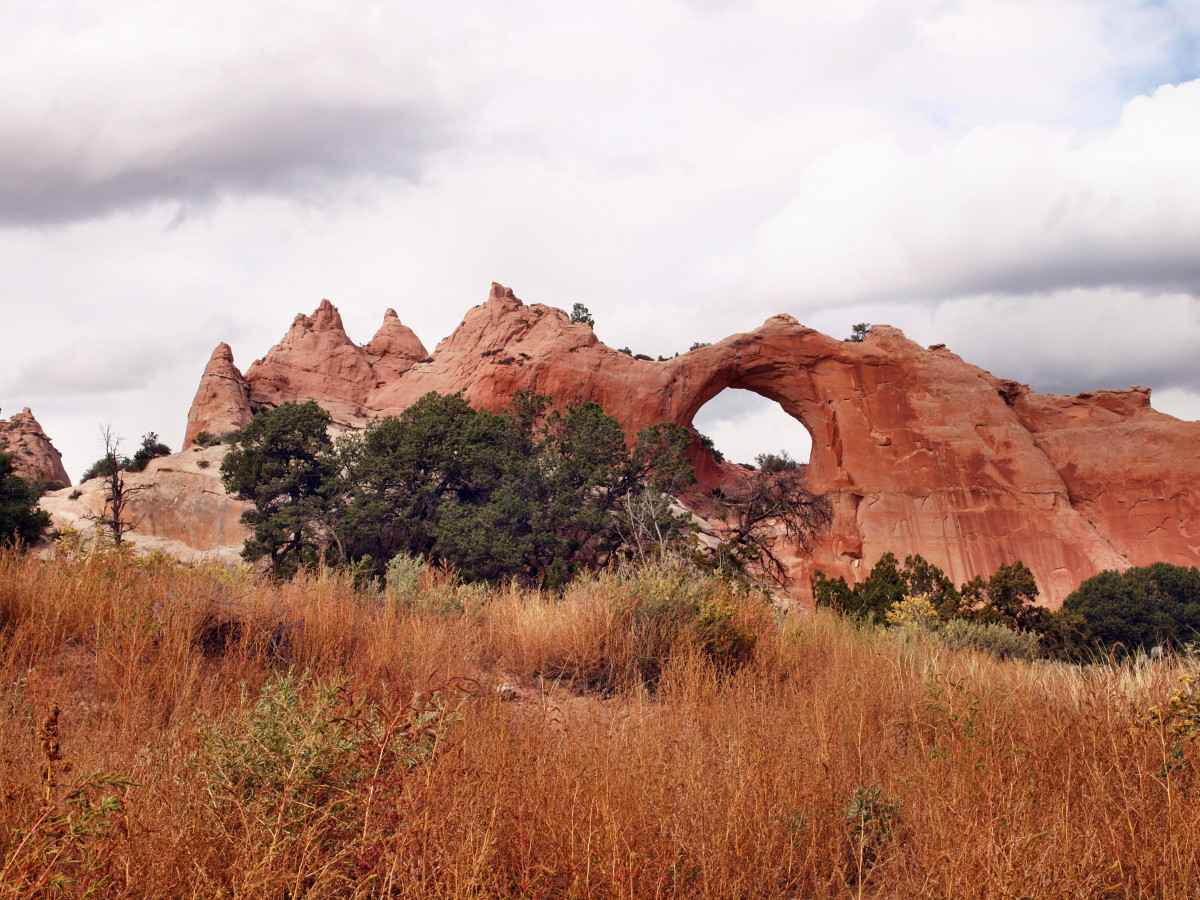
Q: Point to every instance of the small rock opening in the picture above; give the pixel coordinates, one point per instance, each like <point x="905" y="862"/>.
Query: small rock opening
<point x="743" y="425"/>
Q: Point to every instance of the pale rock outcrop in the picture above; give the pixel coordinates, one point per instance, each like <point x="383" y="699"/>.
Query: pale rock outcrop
<point x="177" y="505"/>
<point x="919" y="451"/>
<point x="34" y="456"/>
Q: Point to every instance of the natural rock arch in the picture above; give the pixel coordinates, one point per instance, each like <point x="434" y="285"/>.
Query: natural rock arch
<point x="920" y="451"/>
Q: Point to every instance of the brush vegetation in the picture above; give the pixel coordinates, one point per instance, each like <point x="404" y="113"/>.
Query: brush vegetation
<point x="529" y="492"/>
<point x="173" y="731"/>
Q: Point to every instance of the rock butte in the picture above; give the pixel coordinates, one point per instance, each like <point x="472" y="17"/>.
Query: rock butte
<point x="919" y="451"/>
<point x="33" y="454"/>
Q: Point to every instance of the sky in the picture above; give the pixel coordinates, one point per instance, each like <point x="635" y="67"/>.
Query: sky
<point x="1017" y="179"/>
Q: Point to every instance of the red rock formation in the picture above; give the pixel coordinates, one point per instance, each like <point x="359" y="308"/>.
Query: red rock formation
<point x="222" y="401"/>
<point x="314" y="361"/>
<point x="394" y="349"/>
<point x="1127" y="467"/>
<point x="920" y="451"/>
<point x="33" y="454"/>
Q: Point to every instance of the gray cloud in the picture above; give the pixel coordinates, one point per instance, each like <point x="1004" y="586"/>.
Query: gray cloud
<point x="1165" y="268"/>
<point x="1063" y="376"/>
<point x="1070" y="341"/>
<point x="95" y="368"/>
<point x="290" y="150"/>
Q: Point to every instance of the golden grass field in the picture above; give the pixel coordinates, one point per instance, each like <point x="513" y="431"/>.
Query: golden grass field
<point x="653" y="735"/>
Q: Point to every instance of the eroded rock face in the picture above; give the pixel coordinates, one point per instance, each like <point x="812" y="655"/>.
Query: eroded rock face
<point x="314" y="361"/>
<point x="177" y="503"/>
<point x="34" y="456"/>
<point x="920" y="451"/>
<point x="1127" y="467"/>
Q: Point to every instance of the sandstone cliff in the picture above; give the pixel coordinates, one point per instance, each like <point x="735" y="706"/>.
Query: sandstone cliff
<point x="33" y="454"/>
<point x="920" y="451"/>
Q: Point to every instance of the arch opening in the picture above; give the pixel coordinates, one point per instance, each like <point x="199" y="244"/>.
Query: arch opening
<point x="743" y="425"/>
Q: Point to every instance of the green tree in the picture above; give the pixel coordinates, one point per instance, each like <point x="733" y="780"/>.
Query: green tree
<point x="887" y="584"/>
<point x="924" y="578"/>
<point x="1008" y="598"/>
<point x="858" y="333"/>
<point x="152" y="448"/>
<point x="772" y="463"/>
<point x="580" y="314"/>
<point x="495" y="495"/>
<point x="498" y="495"/>
<point x="438" y="481"/>
<point x="21" y="521"/>
<point x="282" y="461"/>
<point x="1141" y="607"/>
<point x="871" y="598"/>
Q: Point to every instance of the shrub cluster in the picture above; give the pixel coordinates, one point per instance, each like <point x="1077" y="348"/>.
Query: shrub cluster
<point x="114" y="460"/>
<point x="998" y="614"/>
<point x="1140" y="608"/>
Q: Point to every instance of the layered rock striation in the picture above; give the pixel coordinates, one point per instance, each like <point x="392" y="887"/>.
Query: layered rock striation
<point x="919" y="451"/>
<point x="34" y="456"/>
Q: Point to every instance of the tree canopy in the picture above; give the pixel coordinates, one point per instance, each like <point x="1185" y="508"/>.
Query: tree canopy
<point x="21" y="521"/>
<point x="580" y="314"/>
<point x="282" y="462"/>
<point x="1008" y="597"/>
<point x="521" y="493"/>
<point x="1141" y="607"/>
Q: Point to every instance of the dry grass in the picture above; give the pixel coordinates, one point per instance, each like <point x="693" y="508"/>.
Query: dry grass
<point x="222" y="736"/>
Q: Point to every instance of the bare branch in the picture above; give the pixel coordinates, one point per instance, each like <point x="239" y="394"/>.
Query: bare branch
<point x="114" y="517"/>
<point x="769" y="506"/>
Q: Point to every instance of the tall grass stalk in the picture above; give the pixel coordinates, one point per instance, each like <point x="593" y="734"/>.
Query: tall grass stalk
<point x="660" y="736"/>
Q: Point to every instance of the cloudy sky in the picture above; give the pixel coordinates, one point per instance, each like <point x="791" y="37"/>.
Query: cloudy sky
<point x="1019" y="179"/>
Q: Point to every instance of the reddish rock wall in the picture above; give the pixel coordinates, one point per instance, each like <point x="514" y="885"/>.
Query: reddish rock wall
<point x="920" y="451"/>
<point x="33" y="454"/>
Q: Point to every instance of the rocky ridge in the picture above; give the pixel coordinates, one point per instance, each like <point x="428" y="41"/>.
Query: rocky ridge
<point x="919" y="451"/>
<point x="34" y="456"/>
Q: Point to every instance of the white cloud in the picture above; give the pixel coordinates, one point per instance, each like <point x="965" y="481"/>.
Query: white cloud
<point x="743" y="425"/>
<point x="178" y="175"/>
<point x="1011" y="208"/>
